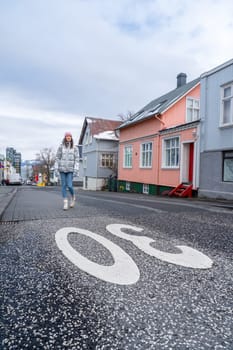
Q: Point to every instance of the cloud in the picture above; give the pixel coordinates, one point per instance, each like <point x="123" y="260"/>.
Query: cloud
<point x="101" y="57"/>
<point x="29" y="129"/>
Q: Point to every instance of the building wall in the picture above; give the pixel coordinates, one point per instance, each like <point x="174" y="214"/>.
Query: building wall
<point x="93" y="184"/>
<point x="157" y="174"/>
<point x="176" y="114"/>
<point x="172" y="177"/>
<point x="148" y="127"/>
<point x="212" y="185"/>
<point x="135" y="136"/>
<point x="214" y="139"/>
<point x="94" y="175"/>
<point x="148" y="131"/>
<point x="212" y="136"/>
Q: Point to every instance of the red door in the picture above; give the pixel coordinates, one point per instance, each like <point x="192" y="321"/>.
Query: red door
<point x="191" y="151"/>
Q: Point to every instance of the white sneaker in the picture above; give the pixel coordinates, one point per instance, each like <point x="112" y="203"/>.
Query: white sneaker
<point x="65" y="204"/>
<point x="72" y="202"/>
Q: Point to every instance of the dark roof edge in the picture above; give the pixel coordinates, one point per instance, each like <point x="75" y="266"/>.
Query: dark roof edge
<point x="216" y="69"/>
<point x="190" y="85"/>
<point x="180" y="127"/>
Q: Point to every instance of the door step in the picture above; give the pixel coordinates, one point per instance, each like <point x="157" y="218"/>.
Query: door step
<point x="182" y="190"/>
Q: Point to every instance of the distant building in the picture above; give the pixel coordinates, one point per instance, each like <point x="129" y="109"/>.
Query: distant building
<point x="98" y="150"/>
<point x="27" y="169"/>
<point x="10" y="151"/>
<point x="14" y="158"/>
<point x="17" y="162"/>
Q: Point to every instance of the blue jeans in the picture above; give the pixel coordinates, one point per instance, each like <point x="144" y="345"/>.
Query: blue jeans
<point x="66" y="182"/>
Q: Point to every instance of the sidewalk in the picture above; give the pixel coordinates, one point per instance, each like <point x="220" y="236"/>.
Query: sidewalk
<point x="6" y="195"/>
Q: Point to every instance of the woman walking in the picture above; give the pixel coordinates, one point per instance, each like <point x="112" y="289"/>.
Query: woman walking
<point x="67" y="163"/>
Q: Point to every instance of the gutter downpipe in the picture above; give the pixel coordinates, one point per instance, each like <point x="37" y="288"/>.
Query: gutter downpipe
<point x="159" y="158"/>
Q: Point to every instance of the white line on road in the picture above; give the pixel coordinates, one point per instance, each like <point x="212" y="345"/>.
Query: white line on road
<point x="123" y="271"/>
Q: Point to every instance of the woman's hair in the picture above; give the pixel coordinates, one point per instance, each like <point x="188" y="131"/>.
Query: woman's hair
<point x="66" y="143"/>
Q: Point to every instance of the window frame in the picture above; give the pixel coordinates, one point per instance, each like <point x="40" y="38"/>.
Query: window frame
<point x="148" y="154"/>
<point x="128" y="157"/>
<point x="145" y="188"/>
<point x="226" y="155"/>
<point x="127" y="186"/>
<point x="193" y="109"/>
<point x="104" y="157"/>
<point x="164" y="153"/>
<point x="224" y="99"/>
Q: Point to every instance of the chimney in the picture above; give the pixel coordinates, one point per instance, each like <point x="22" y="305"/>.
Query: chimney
<point x="181" y="79"/>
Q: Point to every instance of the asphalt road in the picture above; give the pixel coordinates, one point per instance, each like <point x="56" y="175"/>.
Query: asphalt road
<point x="107" y="274"/>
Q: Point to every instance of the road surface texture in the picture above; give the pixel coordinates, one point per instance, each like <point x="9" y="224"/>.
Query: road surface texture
<point x="108" y="274"/>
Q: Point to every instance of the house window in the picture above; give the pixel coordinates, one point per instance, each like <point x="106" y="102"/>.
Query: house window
<point x="171" y="152"/>
<point x="227" y="105"/>
<point x="127" y="186"/>
<point x="128" y="150"/>
<point x="193" y="107"/>
<point x="145" y="188"/>
<point x="107" y="160"/>
<point x="146" y="155"/>
<point x="228" y="166"/>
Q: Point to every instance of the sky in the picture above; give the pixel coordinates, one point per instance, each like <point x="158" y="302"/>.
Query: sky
<point x="64" y="60"/>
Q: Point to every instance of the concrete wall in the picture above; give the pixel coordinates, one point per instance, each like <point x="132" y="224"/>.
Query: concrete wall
<point x="93" y="184"/>
<point x="211" y="184"/>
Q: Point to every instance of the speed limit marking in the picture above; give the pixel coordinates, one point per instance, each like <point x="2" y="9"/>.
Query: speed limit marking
<point x="124" y="271"/>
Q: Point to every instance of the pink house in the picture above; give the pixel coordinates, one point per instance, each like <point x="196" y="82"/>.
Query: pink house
<point x="158" y="146"/>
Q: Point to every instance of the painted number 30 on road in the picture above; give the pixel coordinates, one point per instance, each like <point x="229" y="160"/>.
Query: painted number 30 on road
<point x="124" y="271"/>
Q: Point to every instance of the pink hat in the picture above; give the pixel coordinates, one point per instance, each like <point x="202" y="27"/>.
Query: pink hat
<point x="68" y="134"/>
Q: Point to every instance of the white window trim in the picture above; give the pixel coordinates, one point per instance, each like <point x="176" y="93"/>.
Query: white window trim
<point x="124" y="165"/>
<point x="193" y="99"/>
<point x="148" y="166"/>
<point x="225" y="157"/>
<point x="145" y="189"/>
<point x="164" y="166"/>
<point x="127" y="186"/>
<point x="223" y="125"/>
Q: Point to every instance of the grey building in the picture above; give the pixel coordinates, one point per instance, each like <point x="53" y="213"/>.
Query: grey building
<point x="98" y="145"/>
<point x="216" y="138"/>
<point x="14" y="158"/>
<point x="17" y="162"/>
<point x="10" y="153"/>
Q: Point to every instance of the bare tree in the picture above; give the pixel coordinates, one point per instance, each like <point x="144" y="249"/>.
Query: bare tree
<point x="46" y="160"/>
<point x="125" y="116"/>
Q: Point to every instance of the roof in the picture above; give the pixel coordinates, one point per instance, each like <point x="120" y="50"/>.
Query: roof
<point x="160" y="104"/>
<point x="218" y="68"/>
<point x="100" y="128"/>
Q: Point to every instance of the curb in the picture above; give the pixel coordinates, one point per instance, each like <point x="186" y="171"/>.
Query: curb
<point x="7" y="200"/>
